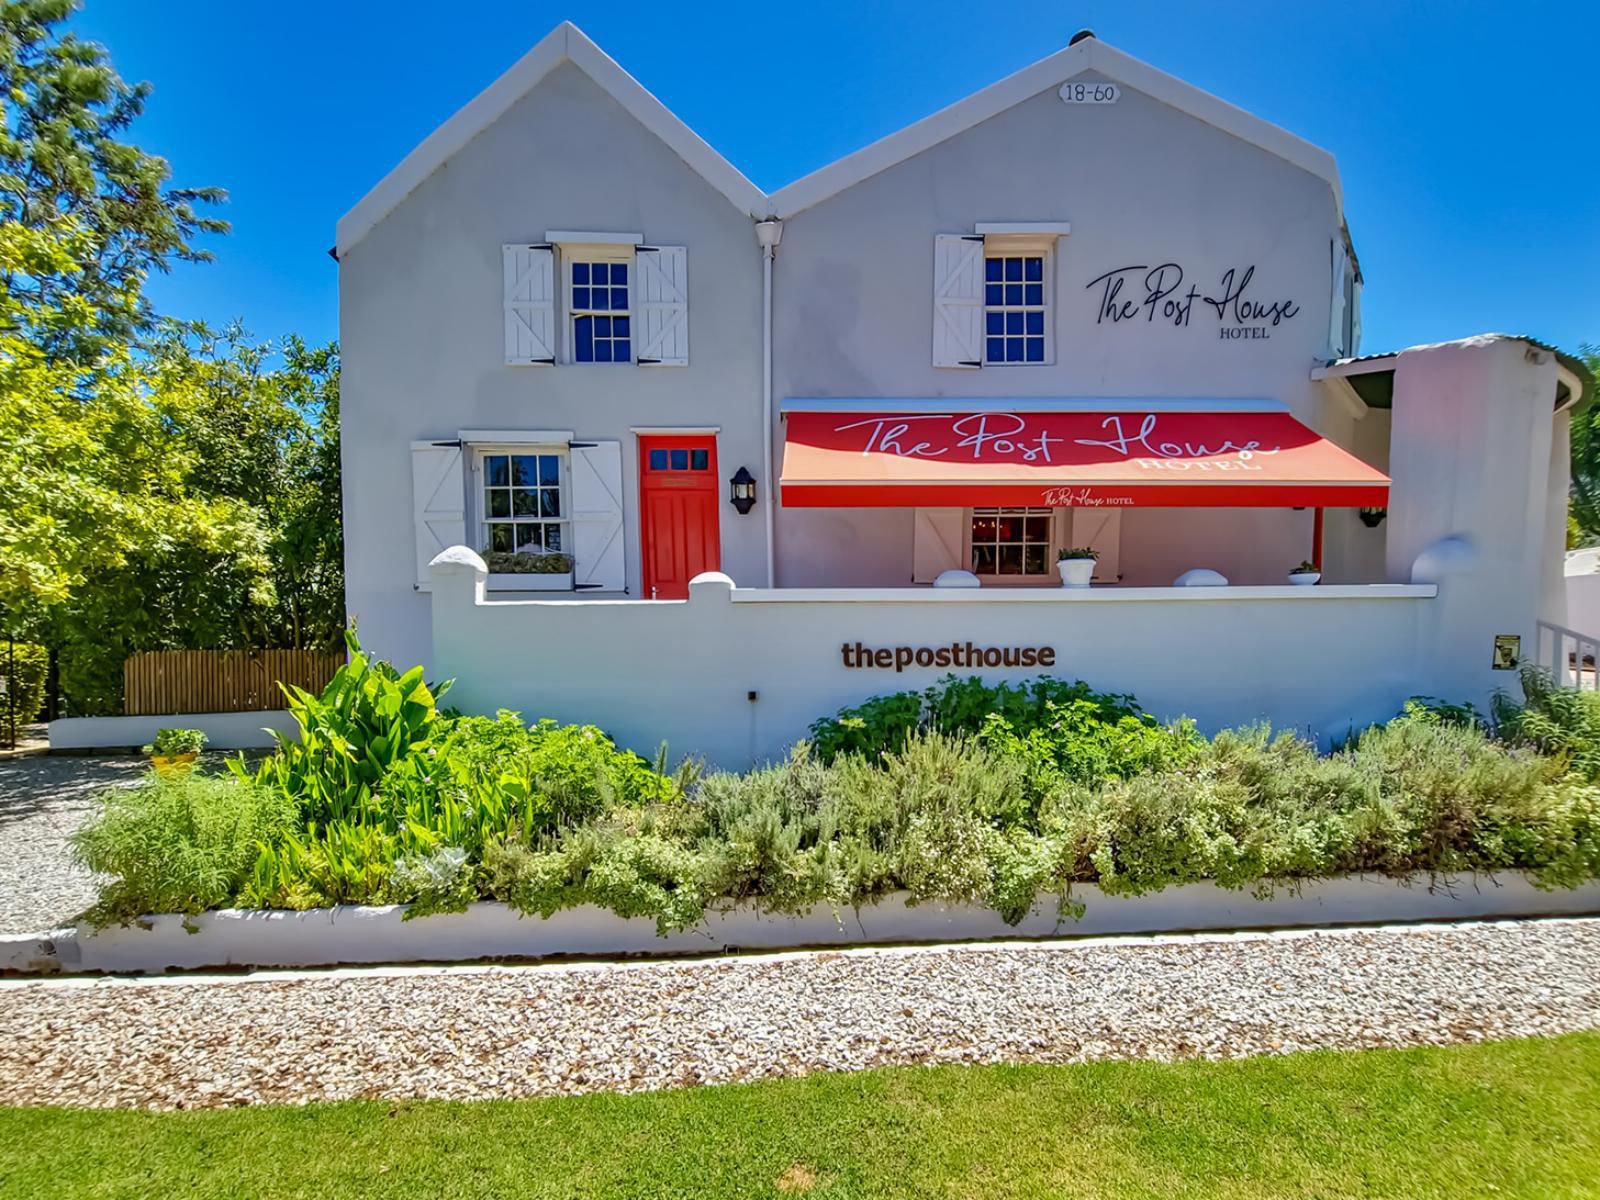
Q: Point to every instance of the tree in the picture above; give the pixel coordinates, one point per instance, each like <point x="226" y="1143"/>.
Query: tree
<point x="1585" y="505"/>
<point x="91" y="473"/>
<point x="243" y="423"/>
<point x="64" y="165"/>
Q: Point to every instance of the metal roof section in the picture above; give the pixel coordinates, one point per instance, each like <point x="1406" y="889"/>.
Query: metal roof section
<point x="1372" y="375"/>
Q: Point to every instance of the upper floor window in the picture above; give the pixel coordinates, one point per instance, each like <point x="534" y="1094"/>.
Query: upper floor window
<point x="600" y="312"/>
<point x="1014" y="308"/>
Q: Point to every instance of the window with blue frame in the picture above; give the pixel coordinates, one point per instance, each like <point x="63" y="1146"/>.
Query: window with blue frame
<point x="1015" y="304"/>
<point x="598" y="302"/>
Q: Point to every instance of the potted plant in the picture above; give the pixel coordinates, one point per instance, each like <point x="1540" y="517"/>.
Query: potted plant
<point x="1306" y="574"/>
<point x="174" y="751"/>
<point x="1076" y="565"/>
<point x="529" y="570"/>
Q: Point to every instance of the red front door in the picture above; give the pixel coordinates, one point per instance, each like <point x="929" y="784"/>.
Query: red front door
<point x="679" y="490"/>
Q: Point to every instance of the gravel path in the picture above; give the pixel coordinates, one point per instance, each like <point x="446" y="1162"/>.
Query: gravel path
<point x="42" y="803"/>
<point x="469" y="1032"/>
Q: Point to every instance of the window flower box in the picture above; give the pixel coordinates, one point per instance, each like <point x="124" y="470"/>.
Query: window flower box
<point x="527" y="572"/>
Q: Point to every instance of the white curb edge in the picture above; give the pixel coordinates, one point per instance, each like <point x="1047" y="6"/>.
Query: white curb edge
<point x="354" y="934"/>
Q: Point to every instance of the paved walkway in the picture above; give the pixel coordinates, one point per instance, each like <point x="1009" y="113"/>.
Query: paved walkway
<point x="476" y="1032"/>
<point x="43" y="801"/>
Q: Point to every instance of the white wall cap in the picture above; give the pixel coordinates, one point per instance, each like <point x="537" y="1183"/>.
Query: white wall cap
<point x="458" y="560"/>
<point x="957" y="579"/>
<point x="1201" y="577"/>
<point x="709" y="583"/>
<point x="1451" y="555"/>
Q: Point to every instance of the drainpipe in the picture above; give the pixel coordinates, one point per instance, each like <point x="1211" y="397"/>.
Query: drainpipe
<point x="768" y="234"/>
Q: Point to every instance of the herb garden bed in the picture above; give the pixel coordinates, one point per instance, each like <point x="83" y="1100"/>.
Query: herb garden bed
<point x="966" y="811"/>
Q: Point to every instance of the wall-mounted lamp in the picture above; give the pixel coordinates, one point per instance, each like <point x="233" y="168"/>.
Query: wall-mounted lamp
<point x="742" y="490"/>
<point x="1373" y="517"/>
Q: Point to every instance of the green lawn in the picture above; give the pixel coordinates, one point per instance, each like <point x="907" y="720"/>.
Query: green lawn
<point x="1507" y="1119"/>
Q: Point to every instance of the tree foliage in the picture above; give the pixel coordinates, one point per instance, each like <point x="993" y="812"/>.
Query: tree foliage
<point x="165" y="486"/>
<point x="244" y="424"/>
<point x="1585" y="507"/>
<point x="63" y="164"/>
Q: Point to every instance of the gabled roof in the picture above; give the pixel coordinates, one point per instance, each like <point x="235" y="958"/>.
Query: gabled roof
<point x="1088" y="54"/>
<point x="566" y="43"/>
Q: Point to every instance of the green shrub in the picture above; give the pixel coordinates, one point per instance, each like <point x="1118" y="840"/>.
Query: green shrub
<point x="965" y="793"/>
<point x="1561" y="722"/>
<point x="171" y="742"/>
<point x="883" y="724"/>
<point x="24" y="684"/>
<point x="184" y="844"/>
<point x="1074" y="743"/>
<point x="369" y="718"/>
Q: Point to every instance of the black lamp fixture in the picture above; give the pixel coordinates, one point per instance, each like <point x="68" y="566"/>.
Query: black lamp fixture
<point x="742" y="491"/>
<point x="1373" y="517"/>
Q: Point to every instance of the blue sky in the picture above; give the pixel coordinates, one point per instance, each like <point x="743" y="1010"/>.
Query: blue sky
<point x="1466" y="133"/>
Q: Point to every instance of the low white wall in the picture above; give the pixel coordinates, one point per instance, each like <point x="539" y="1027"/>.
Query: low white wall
<point x="226" y="731"/>
<point x="330" y="936"/>
<point x="736" y="676"/>
<point x="1582" y="594"/>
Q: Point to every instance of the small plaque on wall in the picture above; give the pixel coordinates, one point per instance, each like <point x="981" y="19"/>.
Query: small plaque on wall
<point x="1507" y="651"/>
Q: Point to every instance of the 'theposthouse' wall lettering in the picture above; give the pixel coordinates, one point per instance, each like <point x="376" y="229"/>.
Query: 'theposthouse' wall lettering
<point x="1141" y="291"/>
<point x="956" y="654"/>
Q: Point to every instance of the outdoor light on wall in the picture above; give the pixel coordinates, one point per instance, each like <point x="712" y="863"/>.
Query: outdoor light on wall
<point x="1373" y="517"/>
<point x="742" y="490"/>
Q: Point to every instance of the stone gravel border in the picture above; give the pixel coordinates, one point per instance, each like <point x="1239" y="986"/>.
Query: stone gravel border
<point x="561" y="1029"/>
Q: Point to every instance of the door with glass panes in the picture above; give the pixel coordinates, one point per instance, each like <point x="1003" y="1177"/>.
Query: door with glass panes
<point x="678" y="518"/>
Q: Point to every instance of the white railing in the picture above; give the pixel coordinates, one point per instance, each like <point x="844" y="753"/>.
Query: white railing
<point x="1568" y="655"/>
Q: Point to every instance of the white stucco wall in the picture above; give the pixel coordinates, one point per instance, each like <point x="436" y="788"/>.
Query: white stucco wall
<point x="1140" y="183"/>
<point x="421" y="324"/>
<point x="1321" y="659"/>
<point x="1470" y="456"/>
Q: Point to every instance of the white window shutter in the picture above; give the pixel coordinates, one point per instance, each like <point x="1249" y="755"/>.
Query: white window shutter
<point x="530" y="305"/>
<point x="661" y="300"/>
<point x="1341" y="267"/>
<point x="596" y="493"/>
<point x="1100" y="528"/>
<point x="438" y="502"/>
<point x="936" y="541"/>
<point x="957" y="300"/>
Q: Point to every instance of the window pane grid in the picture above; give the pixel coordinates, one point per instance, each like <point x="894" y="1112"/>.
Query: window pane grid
<point x="522" y="509"/>
<point x="1011" y="541"/>
<point x="1014" y="308"/>
<point x="601" y="329"/>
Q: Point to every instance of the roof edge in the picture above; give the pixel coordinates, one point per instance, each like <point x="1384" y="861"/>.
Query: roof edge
<point x="1088" y="54"/>
<point x="565" y="43"/>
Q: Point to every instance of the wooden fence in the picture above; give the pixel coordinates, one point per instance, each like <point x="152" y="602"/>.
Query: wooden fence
<point x="157" y="682"/>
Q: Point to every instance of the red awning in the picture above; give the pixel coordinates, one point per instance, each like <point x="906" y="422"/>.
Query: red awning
<point x="1127" y="459"/>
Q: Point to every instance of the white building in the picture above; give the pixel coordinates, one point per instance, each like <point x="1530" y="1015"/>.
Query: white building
<point x="1090" y="305"/>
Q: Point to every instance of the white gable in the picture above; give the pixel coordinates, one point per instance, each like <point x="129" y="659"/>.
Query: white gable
<point x="565" y="43"/>
<point x="1090" y="54"/>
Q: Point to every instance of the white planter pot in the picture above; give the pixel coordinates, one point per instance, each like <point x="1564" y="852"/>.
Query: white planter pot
<point x="529" y="582"/>
<point x="1304" y="578"/>
<point x="1075" y="572"/>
